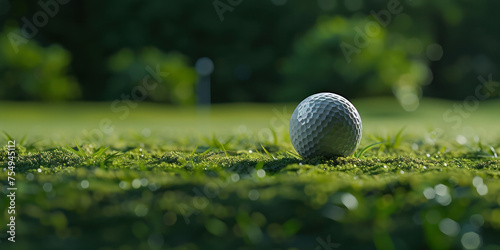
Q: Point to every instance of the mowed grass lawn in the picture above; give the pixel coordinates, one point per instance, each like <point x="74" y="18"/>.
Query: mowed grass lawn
<point x="161" y="177"/>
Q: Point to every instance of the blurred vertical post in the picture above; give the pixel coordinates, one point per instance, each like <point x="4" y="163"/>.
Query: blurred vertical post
<point x="204" y="67"/>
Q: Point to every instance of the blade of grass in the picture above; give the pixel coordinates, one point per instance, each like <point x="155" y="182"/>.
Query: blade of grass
<point x="224" y="149"/>
<point x="111" y="156"/>
<point x="23" y="139"/>
<point x="192" y="153"/>
<point x="99" y="152"/>
<point x="70" y="149"/>
<point x="363" y="151"/>
<point x="493" y="151"/>
<point x="80" y="150"/>
<point x="275" y="135"/>
<point x="206" y="151"/>
<point x="293" y="154"/>
<point x="7" y="136"/>
<point x="398" y="138"/>
<point x="267" y="153"/>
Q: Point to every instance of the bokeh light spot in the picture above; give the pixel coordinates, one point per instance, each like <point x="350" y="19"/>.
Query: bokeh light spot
<point x="471" y="240"/>
<point x="449" y="227"/>
<point x="261" y="173"/>
<point x="30" y="176"/>
<point x="434" y="52"/>
<point x="84" y="184"/>
<point x="429" y="193"/>
<point x="476" y="220"/>
<point x="141" y="210"/>
<point x="47" y="187"/>
<point x="204" y="66"/>
<point x="253" y="195"/>
<point x="349" y="201"/>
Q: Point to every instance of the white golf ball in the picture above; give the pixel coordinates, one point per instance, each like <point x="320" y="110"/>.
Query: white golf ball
<point x="325" y="124"/>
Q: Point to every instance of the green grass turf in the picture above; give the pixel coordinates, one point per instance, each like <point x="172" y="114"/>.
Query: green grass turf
<point x="229" y="178"/>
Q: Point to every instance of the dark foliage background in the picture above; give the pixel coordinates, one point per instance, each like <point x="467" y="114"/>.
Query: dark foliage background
<point x="263" y="51"/>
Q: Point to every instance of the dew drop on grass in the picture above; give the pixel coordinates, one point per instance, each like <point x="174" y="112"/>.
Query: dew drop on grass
<point x="136" y="183"/>
<point x="144" y="182"/>
<point x="349" y="201"/>
<point x="461" y="139"/>
<point x="428" y="155"/>
<point x="250" y="151"/>
<point x="123" y="184"/>
<point x="476" y="181"/>
<point x="444" y="200"/>
<point x="429" y="193"/>
<point x="482" y="189"/>
<point x="84" y="184"/>
<point x="261" y="173"/>
<point x="235" y="177"/>
<point x="153" y="187"/>
<point x="47" y="187"/>
<point x="441" y="189"/>
<point x="445" y="164"/>
<point x="141" y="210"/>
<point x="449" y="227"/>
<point x="471" y="240"/>
<point x="253" y="194"/>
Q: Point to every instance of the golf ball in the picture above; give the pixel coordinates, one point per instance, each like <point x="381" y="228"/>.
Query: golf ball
<point x="325" y="124"/>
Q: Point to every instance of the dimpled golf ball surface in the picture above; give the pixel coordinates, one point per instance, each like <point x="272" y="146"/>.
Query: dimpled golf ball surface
<point x="325" y="124"/>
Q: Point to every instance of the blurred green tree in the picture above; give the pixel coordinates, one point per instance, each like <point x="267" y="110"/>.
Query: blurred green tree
<point x="356" y="57"/>
<point x="262" y="48"/>
<point x="36" y="73"/>
<point x="129" y="69"/>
